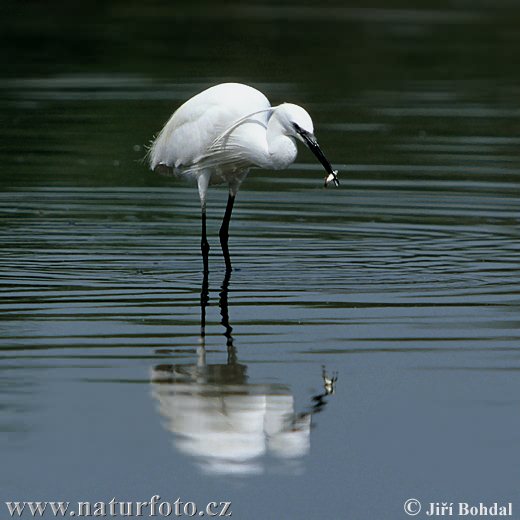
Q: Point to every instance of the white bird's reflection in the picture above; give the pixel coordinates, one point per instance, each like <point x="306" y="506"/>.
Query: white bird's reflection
<point x="225" y="422"/>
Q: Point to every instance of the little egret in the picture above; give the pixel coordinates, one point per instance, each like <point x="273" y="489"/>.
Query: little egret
<point x="221" y="133"/>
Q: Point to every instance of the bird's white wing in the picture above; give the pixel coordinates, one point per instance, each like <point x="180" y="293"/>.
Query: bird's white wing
<point x="187" y="136"/>
<point x="235" y="146"/>
<point x="210" y="127"/>
<point x="249" y="118"/>
<point x="192" y="146"/>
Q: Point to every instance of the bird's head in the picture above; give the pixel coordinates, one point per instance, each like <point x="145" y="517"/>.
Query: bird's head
<point x="297" y="123"/>
<point x="295" y="120"/>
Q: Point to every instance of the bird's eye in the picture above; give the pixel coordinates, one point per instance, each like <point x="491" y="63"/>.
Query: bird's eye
<point x="297" y="127"/>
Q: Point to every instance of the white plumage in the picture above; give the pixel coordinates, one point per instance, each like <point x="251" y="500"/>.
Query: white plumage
<point x="188" y="140"/>
<point x="218" y="135"/>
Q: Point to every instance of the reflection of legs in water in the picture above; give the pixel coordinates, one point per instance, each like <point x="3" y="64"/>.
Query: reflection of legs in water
<point x="223" y="303"/>
<point x="204" y="245"/>
<point x="204" y="298"/>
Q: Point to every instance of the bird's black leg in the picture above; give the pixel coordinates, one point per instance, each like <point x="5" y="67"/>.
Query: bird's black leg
<point x="204" y="245"/>
<point x="224" y="231"/>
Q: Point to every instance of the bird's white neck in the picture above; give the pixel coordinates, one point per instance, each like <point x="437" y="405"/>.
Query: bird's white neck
<point x="281" y="148"/>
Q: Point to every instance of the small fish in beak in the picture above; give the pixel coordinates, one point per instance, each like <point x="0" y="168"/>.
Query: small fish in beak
<point x="332" y="177"/>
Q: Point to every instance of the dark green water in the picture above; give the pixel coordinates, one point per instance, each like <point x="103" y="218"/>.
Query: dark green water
<point x="404" y="282"/>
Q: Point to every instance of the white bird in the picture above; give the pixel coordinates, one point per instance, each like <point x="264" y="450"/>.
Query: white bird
<point x="219" y="134"/>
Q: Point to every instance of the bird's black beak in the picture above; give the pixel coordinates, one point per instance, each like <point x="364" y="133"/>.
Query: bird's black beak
<point x="314" y="147"/>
